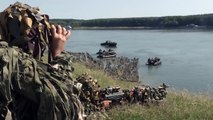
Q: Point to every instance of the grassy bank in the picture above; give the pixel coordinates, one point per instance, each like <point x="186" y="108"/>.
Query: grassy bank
<point x="103" y="79"/>
<point x="177" y="106"/>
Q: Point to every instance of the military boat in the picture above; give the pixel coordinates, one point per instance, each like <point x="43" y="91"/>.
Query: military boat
<point x="153" y="61"/>
<point x="106" y="56"/>
<point x="109" y="43"/>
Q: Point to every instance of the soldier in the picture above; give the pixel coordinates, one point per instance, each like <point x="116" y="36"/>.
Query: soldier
<point x="30" y="86"/>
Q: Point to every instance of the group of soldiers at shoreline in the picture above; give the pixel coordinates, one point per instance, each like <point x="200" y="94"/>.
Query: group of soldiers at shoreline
<point x="96" y="98"/>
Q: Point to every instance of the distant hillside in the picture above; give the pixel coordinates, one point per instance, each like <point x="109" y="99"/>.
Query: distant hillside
<point x="191" y="21"/>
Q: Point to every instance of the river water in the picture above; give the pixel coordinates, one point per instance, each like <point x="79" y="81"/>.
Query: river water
<point x="186" y="55"/>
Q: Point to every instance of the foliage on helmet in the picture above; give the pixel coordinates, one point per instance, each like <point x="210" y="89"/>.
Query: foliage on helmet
<point x="21" y="24"/>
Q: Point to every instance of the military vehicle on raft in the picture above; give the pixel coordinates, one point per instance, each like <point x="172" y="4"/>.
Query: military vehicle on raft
<point x="106" y="54"/>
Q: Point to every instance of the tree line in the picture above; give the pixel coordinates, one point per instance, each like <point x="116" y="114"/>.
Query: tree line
<point x="204" y="20"/>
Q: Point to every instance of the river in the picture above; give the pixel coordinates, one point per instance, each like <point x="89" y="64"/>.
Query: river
<point x="186" y="55"/>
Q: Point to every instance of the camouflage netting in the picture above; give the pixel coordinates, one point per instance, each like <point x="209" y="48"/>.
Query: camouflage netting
<point x="121" y="68"/>
<point x="90" y="97"/>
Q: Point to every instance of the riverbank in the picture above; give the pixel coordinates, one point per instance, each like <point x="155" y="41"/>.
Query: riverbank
<point x="122" y="68"/>
<point x="177" y="106"/>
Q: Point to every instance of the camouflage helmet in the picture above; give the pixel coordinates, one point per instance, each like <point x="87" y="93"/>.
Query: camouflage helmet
<point x="21" y="24"/>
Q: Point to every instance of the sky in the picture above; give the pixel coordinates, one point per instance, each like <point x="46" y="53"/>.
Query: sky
<point x="93" y="9"/>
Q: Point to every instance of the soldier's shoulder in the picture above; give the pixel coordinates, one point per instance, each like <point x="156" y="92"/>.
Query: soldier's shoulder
<point x="3" y="44"/>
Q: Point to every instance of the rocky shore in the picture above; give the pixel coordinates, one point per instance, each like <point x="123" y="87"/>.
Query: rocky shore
<point x="122" y="68"/>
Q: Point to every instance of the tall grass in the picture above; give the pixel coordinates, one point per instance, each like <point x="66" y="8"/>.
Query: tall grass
<point x="179" y="105"/>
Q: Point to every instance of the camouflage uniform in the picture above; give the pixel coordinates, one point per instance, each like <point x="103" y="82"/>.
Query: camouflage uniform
<point x="30" y="87"/>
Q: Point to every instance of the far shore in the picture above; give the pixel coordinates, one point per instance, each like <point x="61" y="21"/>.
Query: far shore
<point x="143" y="28"/>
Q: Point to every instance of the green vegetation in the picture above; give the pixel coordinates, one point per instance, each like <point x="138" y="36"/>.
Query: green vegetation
<point x="192" y="21"/>
<point x="177" y="105"/>
<point x="103" y="79"/>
